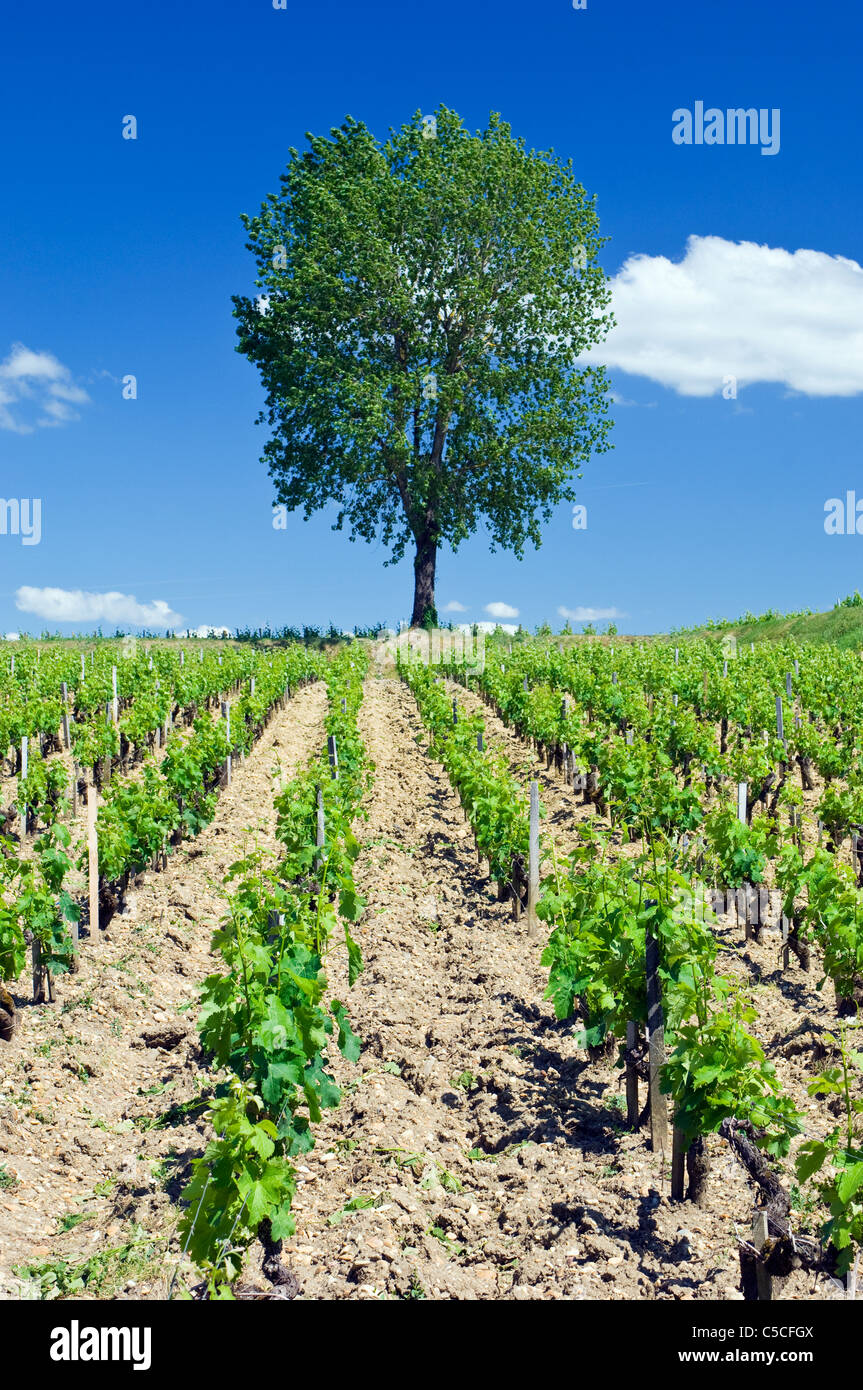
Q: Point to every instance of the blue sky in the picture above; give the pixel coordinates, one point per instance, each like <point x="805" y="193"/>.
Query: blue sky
<point x="120" y="257"/>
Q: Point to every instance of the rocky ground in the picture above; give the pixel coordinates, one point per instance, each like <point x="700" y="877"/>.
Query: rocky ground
<point x="476" y="1154"/>
<point x="84" y="1174"/>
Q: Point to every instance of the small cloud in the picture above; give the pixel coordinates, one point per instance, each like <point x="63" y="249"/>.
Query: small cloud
<point x="501" y="610"/>
<point x="453" y="607"/>
<point x="204" y="631"/>
<point x="589" y="615"/>
<point x="77" y="606"/>
<point x="44" y="384"/>
<point x="13" y="637"/>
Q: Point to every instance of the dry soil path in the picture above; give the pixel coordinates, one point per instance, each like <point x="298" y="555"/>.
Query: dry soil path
<point x="85" y="1077"/>
<point x="476" y="1154"/>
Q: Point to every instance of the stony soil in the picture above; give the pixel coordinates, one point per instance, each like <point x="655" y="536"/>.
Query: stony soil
<point x="85" y="1076"/>
<point x="476" y="1154"/>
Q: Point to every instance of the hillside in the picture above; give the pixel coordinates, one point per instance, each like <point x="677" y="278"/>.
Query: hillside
<point x="842" y="626"/>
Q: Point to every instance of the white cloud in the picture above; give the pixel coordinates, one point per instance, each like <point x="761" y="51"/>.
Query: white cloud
<point x="589" y="615"/>
<point x="501" y="610"/>
<point x="204" y="631"/>
<point x="44" y="384"/>
<point x="23" y="364"/>
<point x="454" y="607"/>
<point x="76" y="606"/>
<point x="13" y="637"/>
<point x="758" y="313"/>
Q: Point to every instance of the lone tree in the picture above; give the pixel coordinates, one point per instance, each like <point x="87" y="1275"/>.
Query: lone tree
<point x="422" y="305"/>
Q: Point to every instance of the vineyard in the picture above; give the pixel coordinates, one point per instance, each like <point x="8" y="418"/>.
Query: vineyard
<point x="328" y="976"/>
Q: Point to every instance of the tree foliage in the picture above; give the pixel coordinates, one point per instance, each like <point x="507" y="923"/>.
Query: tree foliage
<point x="422" y="305"/>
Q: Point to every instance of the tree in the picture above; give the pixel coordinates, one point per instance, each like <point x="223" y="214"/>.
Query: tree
<point x="421" y="307"/>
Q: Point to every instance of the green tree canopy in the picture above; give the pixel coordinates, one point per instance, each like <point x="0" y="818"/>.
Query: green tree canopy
<point x="421" y="307"/>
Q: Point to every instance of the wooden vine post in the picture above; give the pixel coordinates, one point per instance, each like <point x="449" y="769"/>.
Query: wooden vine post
<point x="631" y="1075"/>
<point x="64" y="696"/>
<point x="25" y="745"/>
<point x="742" y="801"/>
<point x="334" y="757"/>
<point x="678" y="1165"/>
<point x="533" y="863"/>
<point x="93" y="859"/>
<point x="321" y="830"/>
<point x="226" y="715"/>
<point x="655" y="1046"/>
<point x="38" y="973"/>
<point x="786" y="951"/>
<point x="755" y="1282"/>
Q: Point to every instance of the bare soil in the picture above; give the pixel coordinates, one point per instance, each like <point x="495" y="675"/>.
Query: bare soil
<point x="85" y="1077"/>
<point x="477" y="1152"/>
<point x="486" y="1156"/>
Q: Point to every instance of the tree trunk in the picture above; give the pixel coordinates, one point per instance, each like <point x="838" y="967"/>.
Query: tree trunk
<point x="424" y="577"/>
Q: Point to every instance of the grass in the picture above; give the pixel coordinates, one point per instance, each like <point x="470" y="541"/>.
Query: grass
<point x="71" y="1005"/>
<point x="164" y="1170"/>
<point x="451" y="1246"/>
<point x="466" y="1082"/>
<point x="69" y="1221"/>
<point x="105" y="1187"/>
<point x="402" y="1158"/>
<point x="102" y="1275"/>
<point x="480" y="1155"/>
<point x="176" y="1114"/>
<point x="841" y="626"/>
<point x="359" y="1203"/>
<point x="440" y="1177"/>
